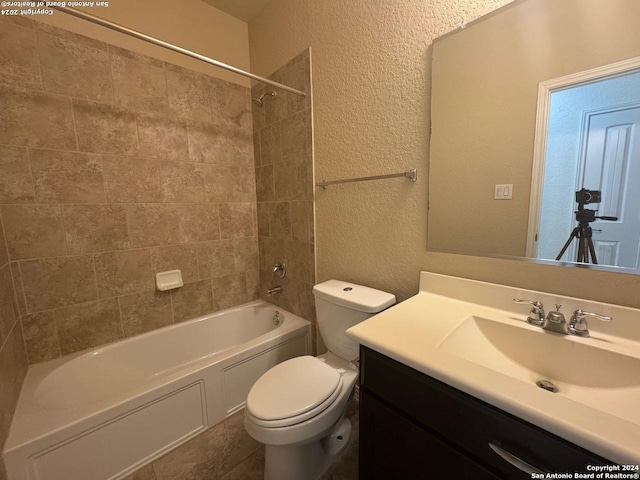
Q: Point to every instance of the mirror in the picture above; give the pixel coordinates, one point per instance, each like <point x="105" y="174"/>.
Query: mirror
<point x="501" y="126"/>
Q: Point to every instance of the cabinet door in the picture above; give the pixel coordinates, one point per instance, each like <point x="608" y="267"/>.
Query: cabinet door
<point x="392" y="447"/>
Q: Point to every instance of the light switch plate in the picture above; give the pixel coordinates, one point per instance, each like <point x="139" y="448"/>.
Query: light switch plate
<point x="503" y="191"/>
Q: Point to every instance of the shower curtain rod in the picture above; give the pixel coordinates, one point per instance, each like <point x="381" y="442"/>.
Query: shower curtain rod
<point x="148" y="38"/>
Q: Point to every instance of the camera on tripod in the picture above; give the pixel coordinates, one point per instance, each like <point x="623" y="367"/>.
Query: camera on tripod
<point x="586" y="197"/>
<point x="583" y="232"/>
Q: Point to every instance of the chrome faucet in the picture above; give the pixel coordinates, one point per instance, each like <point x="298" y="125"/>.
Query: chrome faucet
<point x="274" y="290"/>
<point x="536" y="315"/>
<point x="555" y="321"/>
<point x="578" y="323"/>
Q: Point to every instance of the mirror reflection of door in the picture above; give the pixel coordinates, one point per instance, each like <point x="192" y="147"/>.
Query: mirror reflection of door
<point x="612" y="139"/>
<point x="593" y="142"/>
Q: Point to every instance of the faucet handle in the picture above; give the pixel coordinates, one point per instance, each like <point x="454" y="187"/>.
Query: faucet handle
<point x="582" y="314"/>
<point x="536" y="316"/>
<point x="578" y="324"/>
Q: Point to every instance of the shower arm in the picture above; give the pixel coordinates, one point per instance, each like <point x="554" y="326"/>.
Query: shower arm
<point x="148" y="38"/>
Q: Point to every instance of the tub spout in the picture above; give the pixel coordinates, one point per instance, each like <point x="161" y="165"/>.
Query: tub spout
<point x="274" y="290"/>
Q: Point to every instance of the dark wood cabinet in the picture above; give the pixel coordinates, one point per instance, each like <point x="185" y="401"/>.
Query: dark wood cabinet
<point x="413" y="427"/>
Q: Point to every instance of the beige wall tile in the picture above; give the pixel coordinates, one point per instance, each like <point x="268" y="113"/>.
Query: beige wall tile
<point x="257" y="113"/>
<point x="120" y="273"/>
<point x="36" y="119"/>
<point x="229" y="183"/>
<point x="145" y="473"/>
<point x="57" y="282"/>
<point x="270" y="144"/>
<point x="294" y="136"/>
<point x="4" y="253"/>
<point x="33" y="231"/>
<point x="256" y="149"/>
<point x="230" y="104"/>
<point x="142" y="312"/>
<point x="293" y="180"/>
<point x="138" y="82"/>
<point x="188" y="93"/>
<point x="176" y="257"/>
<point x="74" y="65"/>
<point x="152" y="224"/>
<point x="280" y="220"/>
<point x="264" y="183"/>
<point x="8" y="316"/>
<point x="20" y="303"/>
<point x="209" y="455"/>
<point x="216" y="259"/>
<point x="245" y="252"/>
<point x="105" y="128"/>
<point x="220" y="145"/>
<point x="88" y="325"/>
<point x="302" y="221"/>
<point x="198" y="222"/>
<point x="13" y="368"/>
<point x="16" y="185"/>
<point x="192" y="300"/>
<point x="253" y="284"/>
<point x="275" y="108"/>
<point x="19" y="61"/>
<point x="271" y="250"/>
<point x="67" y="177"/>
<point x="131" y="179"/>
<point x="298" y="259"/>
<point x="264" y="217"/>
<point x="95" y="228"/>
<point x="20" y="21"/>
<point x="163" y="137"/>
<point x="40" y="337"/>
<point x="230" y="291"/>
<point x="237" y="220"/>
<point x="298" y="75"/>
<point x="182" y="182"/>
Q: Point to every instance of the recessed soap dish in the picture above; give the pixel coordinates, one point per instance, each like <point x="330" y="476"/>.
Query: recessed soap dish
<point x="169" y="280"/>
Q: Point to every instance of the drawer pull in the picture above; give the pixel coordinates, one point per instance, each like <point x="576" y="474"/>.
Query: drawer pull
<point x="513" y="460"/>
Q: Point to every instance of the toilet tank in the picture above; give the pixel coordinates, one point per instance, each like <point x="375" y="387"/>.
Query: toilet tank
<point x="341" y="305"/>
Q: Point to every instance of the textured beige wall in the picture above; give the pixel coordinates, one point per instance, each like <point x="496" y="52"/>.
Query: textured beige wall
<point x="191" y="24"/>
<point x="371" y="81"/>
<point x="480" y="138"/>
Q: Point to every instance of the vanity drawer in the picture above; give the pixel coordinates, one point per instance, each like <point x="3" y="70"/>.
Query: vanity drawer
<point x="393" y="447"/>
<point x="468" y="423"/>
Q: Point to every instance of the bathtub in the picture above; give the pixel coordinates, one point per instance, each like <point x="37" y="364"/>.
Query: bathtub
<point x="103" y="413"/>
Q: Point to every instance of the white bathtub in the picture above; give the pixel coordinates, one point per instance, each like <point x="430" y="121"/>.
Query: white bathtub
<point x="101" y="414"/>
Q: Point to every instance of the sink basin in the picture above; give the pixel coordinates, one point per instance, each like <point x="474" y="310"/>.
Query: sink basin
<point x="580" y="370"/>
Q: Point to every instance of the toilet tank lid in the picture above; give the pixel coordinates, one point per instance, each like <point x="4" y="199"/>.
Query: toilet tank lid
<point x="357" y="297"/>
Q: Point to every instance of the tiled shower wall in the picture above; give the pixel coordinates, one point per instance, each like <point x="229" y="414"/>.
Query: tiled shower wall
<point x="284" y="184"/>
<point x="115" y="166"/>
<point x="13" y="360"/>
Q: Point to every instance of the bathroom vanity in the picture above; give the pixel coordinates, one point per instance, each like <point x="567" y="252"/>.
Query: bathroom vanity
<point x="449" y="387"/>
<point x="413" y="426"/>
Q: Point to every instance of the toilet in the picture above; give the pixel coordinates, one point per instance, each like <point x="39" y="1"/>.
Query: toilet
<point x="297" y="409"/>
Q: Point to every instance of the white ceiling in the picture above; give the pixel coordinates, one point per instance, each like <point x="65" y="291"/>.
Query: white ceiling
<point x="243" y="10"/>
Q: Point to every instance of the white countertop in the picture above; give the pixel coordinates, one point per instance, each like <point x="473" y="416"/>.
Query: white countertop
<point x="411" y="332"/>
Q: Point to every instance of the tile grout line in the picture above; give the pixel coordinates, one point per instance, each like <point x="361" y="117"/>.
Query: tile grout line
<point x="35" y="36"/>
<point x="113" y="84"/>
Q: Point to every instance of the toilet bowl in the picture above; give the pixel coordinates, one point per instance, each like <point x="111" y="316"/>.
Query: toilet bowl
<point x="297" y="409"/>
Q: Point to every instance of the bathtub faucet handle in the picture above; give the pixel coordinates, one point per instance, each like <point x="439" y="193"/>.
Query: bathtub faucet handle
<point x="279" y="269"/>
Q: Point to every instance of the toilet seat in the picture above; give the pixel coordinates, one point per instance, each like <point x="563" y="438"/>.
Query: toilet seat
<point x="293" y="391"/>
